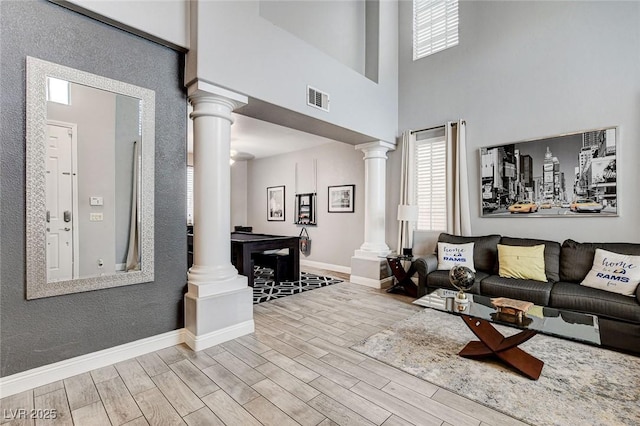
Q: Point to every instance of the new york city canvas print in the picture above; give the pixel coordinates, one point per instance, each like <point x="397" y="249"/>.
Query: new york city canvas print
<point x="563" y="176"/>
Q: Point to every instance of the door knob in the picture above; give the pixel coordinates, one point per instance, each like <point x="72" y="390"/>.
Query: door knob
<point x="67" y="216"/>
<point x="67" y="229"/>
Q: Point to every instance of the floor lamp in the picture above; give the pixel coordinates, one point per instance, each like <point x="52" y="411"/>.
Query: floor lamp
<point x="406" y="215"/>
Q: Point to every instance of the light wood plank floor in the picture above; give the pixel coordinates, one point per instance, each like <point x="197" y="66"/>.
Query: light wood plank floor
<point x="296" y="369"/>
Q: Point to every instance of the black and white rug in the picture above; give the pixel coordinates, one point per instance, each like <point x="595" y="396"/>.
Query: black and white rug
<point x="265" y="289"/>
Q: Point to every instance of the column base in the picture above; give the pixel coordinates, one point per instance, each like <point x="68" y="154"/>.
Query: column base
<point x="380" y="249"/>
<point x="204" y="281"/>
<point x="370" y="270"/>
<point x="370" y="254"/>
<point x="204" y="341"/>
<point x="219" y="317"/>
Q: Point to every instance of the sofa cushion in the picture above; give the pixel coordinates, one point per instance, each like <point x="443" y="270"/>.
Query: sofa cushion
<point x="619" y="335"/>
<point x="440" y="279"/>
<point x="594" y="301"/>
<point x="576" y="259"/>
<point x="613" y="272"/>
<point x="450" y="255"/>
<point x="529" y="290"/>
<point x="526" y="263"/>
<point x="551" y="254"/>
<point x="485" y="250"/>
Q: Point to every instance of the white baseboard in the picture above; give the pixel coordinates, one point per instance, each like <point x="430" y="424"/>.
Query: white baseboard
<point x="370" y="282"/>
<point x="20" y="382"/>
<point x="39" y="376"/>
<point x="198" y="343"/>
<point x="327" y="266"/>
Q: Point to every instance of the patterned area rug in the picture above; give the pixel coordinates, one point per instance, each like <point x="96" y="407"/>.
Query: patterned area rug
<point x="265" y="288"/>
<point x="580" y="384"/>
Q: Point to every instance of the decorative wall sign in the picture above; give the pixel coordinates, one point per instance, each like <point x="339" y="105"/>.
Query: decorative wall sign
<point x="306" y="209"/>
<point x="342" y="199"/>
<point x="275" y="204"/>
<point x="562" y="176"/>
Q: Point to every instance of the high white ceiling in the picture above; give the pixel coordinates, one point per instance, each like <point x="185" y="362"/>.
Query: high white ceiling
<point x="263" y="139"/>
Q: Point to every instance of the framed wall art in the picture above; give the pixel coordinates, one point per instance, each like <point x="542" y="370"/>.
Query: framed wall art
<point x="275" y="203"/>
<point x="342" y="199"/>
<point x="305" y="209"/>
<point x="568" y="175"/>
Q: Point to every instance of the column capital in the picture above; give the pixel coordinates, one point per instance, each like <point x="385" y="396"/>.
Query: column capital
<point x="213" y="101"/>
<point x="377" y="149"/>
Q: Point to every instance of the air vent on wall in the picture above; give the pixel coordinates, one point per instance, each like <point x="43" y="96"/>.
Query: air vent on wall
<point x="318" y="99"/>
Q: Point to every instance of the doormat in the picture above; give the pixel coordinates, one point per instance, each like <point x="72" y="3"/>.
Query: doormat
<point x="265" y="288"/>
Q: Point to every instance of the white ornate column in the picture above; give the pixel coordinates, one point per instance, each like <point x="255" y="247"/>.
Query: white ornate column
<point x="368" y="265"/>
<point x="218" y="304"/>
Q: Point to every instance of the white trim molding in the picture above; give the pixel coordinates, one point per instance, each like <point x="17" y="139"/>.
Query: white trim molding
<point x="39" y="376"/>
<point x="370" y="282"/>
<point x="197" y="343"/>
<point x="327" y="266"/>
<point x="25" y="380"/>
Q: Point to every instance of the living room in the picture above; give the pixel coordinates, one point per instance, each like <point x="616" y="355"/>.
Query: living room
<point x="521" y="71"/>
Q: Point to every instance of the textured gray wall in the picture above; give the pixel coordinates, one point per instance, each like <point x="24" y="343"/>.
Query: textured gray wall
<point x="43" y="331"/>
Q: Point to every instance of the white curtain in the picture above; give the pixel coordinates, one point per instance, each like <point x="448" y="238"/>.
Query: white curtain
<point x="132" y="252"/>
<point x="405" y="231"/>
<point x="459" y="214"/>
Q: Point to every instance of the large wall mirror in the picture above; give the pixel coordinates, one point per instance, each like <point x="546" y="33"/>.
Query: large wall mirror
<point x="90" y="176"/>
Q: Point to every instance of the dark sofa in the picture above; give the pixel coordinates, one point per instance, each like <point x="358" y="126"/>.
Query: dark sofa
<point x="566" y="266"/>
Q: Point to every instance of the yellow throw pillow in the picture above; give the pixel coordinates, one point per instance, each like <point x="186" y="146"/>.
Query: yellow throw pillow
<point x="526" y="263"/>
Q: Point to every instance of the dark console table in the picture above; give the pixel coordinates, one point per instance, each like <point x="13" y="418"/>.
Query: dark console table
<point x="243" y="244"/>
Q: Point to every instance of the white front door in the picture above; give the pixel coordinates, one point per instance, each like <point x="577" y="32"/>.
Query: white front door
<point x="59" y="202"/>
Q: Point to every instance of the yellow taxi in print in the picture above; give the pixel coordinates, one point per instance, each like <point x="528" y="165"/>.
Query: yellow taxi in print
<point x="586" y="205"/>
<point x="523" y="207"/>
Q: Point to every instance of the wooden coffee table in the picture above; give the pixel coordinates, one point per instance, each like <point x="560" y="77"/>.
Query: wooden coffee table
<point x="493" y="344"/>
<point x="481" y="316"/>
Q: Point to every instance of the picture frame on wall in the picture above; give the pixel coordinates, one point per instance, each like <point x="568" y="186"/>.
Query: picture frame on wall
<point x="276" y="204"/>
<point x="341" y="199"/>
<point x="570" y="175"/>
<point x="305" y="209"/>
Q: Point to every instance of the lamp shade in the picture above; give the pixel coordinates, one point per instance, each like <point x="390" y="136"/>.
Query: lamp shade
<point x="408" y="213"/>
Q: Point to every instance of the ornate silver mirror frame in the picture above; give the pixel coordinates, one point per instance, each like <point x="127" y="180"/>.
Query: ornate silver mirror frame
<point x="37" y="285"/>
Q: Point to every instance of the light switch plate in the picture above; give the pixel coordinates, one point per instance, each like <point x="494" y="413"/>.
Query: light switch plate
<point x="96" y="201"/>
<point x="95" y="217"/>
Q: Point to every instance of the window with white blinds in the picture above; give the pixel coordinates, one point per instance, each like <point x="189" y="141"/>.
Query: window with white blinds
<point x="435" y="26"/>
<point x="189" y="195"/>
<point x="430" y="183"/>
<point x="58" y="91"/>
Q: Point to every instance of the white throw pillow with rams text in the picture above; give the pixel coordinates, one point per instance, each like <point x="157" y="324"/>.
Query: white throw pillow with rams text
<point x="450" y="255"/>
<point x="617" y="273"/>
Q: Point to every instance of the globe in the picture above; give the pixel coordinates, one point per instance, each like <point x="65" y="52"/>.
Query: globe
<point x="462" y="278"/>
